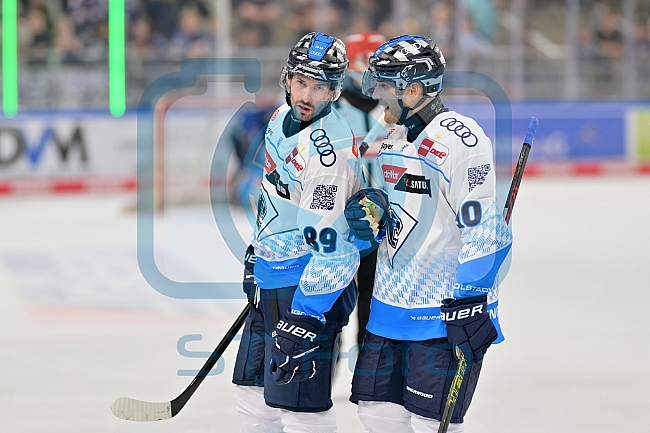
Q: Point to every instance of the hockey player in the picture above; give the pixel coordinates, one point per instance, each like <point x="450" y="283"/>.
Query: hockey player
<point x="300" y="256"/>
<point x="443" y="239"/>
<point x="366" y="117"/>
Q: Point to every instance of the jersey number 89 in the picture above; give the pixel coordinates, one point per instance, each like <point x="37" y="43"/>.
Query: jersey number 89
<point x="326" y="238"/>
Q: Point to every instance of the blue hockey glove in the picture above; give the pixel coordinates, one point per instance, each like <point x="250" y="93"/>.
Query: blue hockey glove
<point x="249" y="284"/>
<point x="368" y="212"/>
<point x="295" y="354"/>
<point x="468" y="325"/>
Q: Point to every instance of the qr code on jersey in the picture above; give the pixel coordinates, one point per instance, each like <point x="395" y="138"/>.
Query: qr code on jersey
<point x="476" y="175"/>
<point x="324" y="197"/>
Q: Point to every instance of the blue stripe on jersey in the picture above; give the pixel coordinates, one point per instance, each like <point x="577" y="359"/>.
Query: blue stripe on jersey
<point x="427" y="163"/>
<point x="416" y="324"/>
<point x="276" y="275"/>
<point x="476" y="277"/>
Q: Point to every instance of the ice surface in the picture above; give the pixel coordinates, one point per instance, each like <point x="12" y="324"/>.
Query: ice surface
<point x="79" y="325"/>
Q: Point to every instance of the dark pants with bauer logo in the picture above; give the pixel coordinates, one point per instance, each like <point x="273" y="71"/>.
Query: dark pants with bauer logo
<point x="414" y="374"/>
<point x="254" y="355"/>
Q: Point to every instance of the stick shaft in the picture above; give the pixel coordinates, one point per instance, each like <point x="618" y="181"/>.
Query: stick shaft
<point x="179" y="402"/>
<point x="519" y="168"/>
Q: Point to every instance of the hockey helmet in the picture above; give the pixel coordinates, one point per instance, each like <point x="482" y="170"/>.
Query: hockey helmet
<point x="360" y="46"/>
<point x="320" y="57"/>
<point x="405" y="60"/>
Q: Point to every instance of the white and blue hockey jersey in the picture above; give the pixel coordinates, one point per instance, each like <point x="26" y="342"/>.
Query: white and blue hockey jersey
<point x="302" y="235"/>
<point x="449" y="237"/>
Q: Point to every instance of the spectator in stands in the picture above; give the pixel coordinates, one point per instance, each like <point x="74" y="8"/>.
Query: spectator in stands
<point x="68" y="46"/>
<point x="299" y="18"/>
<point x="191" y="39"/>
<point x="256" y="19"/>
<point x="442" y="27"/>
<point x="40" y="32"/>
<point x="90" y="21"/>
<point x="609" y="44"/>
<point x="608" y="34"/>
<point x="140" y="40"/>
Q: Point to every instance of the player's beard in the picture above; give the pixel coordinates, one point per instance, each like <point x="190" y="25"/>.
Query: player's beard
<point x="305" y="111"/>
<point x="389" y="117"/>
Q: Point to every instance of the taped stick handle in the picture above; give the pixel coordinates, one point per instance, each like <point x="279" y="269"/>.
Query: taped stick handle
<point x="178" y="403"/>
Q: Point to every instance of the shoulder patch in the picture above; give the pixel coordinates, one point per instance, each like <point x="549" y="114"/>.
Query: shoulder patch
<point x="433" y="151"/>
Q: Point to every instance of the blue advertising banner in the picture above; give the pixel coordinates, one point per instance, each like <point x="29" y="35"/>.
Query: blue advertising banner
<point x="568" y="131"/>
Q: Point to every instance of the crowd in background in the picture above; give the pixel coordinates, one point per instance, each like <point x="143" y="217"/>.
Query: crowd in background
<point x="57" y="33"/>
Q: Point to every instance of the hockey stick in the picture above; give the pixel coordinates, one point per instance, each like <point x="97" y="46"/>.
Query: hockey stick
<point x="136" y="410"/>
<point x="454" y="389"/>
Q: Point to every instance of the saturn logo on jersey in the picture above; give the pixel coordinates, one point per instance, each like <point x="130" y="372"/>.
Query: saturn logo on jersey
<point x="415" y="184"/>
<point x="295" y="163"/>
<point x="433" y="151"/>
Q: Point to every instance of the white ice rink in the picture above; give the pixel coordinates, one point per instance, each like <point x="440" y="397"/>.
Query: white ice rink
<point x="79" y="326"/>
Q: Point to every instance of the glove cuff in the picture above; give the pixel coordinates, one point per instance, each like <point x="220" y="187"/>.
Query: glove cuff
<point x="299" y="328"/>
<point x="462" y="311"/>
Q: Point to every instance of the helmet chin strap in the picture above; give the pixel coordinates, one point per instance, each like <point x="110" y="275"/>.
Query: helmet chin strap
<point x="415" y="124"/>
<point x="425" y="99"/>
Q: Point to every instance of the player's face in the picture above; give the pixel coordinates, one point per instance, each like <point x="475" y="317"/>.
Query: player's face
<point x="308" y="96"/>
<point x="385" y="93"/>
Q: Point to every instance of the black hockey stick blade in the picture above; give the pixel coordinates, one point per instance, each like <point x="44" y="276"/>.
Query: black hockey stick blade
<point x="136" y="410"/>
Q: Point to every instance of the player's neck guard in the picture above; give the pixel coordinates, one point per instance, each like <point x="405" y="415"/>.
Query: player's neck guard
<point x="416" y="123"/>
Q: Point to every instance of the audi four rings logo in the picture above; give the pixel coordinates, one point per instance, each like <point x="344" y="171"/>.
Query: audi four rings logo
<point x="463" y="132"/>
<point x="323" y="146"/>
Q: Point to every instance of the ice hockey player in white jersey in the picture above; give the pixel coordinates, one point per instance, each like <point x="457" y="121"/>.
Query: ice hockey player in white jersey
<point x="443" y="239"/>
<point x="301" y="257"/>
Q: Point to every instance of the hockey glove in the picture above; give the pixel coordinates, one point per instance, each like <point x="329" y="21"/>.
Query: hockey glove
<point x="368" y="212"/>
<point x="249" y="284"/>
<point x="468" y="325"/>
<point x="295" y="354"/>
